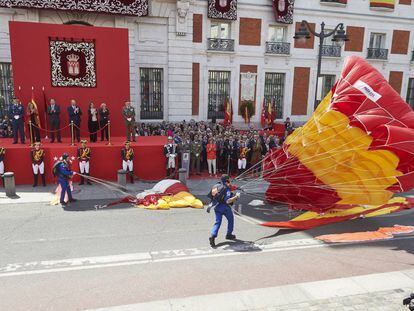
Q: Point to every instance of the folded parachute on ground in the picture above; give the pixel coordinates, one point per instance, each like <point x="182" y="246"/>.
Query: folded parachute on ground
<point x="356" y="149"/>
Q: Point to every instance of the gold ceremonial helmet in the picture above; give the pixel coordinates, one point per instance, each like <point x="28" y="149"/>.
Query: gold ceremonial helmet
<point x="84" y="141"/>
<point x="127" y="142"/>
<point x="37" y="144"/>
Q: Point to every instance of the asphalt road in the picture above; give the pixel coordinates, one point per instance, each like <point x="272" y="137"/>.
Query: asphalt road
<point x="82" y="258"/>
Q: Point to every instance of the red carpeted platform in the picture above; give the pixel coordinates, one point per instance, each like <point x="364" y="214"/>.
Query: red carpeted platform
<point x="149" y="163"/>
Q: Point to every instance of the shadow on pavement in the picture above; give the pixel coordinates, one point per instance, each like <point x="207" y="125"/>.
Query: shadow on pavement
<point x="239" y="246"/>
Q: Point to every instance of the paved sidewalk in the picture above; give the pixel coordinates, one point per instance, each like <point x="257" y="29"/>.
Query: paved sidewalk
<point x="374" y="292"/>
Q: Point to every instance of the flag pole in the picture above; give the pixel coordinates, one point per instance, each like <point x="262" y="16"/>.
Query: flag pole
<point x="45" y="109"/>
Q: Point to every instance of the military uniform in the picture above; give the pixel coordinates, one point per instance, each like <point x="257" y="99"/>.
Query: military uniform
<point x="84" y="156"/>
<point x="38" y="165"/>
<point x="2" y="154"/>
<point x="170" y="151"/>
<point x="242" y="161"/>
<point x="196" y="148"/>
<point x="185" y="155"/>
<point x="16" y="114"/>
<point x="128" y="156"/>
<point x="128" y="112"/>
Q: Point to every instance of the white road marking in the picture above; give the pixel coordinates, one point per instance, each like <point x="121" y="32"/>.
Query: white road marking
<point x="86" y="263"/>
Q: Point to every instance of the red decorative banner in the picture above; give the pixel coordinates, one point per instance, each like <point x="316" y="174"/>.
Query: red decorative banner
<point x="73" y="63"/>
<point x="222" y="9"/>
<point x="283" y="11"/>
<point x="122" y="7"/>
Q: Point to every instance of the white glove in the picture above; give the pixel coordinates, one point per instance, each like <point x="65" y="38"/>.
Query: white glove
<point x="16" y="117"/>
<point x="129" y="119"/>
<point x="238" y="195"/>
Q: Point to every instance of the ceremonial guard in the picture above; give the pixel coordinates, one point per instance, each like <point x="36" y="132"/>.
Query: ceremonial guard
<point x="16" y="114"/>
<point x="2" y="154"/>
<point x="38" y="164"/>
<point x="84" y="156"/>
<point x="75" y="114"/>
<point x="242" y="161"/>
<point x="128" y="112"/>
<point x="33" y="115"/>
<point x="127" y="154"/>
<point x="64" y="174"/>
<point x="221" y="200"/>
<point x="196" y="149"/>
<point x="53" y="111"/>
<point x="170" y="151"/>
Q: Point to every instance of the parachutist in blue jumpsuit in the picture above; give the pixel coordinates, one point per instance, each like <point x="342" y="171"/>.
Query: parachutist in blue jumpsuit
<point x="221" y="202"/>
<point x="64" y="174"/>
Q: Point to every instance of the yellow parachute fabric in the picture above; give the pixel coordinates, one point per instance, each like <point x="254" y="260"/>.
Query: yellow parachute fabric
<point x="338" y="155"/>
<point x="180" y="200"/>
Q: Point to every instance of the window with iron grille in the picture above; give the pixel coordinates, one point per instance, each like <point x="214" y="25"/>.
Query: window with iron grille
<point x="274" y="90"/>
<point x="6" y="88"/>
<point x="152" y="97"/>
<point x="410" y="92"/>
<point x="328" y="82"/>
<point x="218" y="93"/>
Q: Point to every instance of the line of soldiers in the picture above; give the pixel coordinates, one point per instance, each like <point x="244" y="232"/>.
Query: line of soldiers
<point x="37" y="156"/>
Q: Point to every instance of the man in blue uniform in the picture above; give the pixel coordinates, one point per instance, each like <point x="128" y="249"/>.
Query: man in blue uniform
<point x="16" y="114"/>
<point x="63" y="173"/>
<point x="222" y="198"/>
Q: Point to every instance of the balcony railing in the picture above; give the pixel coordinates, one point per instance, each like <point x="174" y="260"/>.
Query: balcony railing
<point x="281" y="48"/>
<point x="331" y="50"/>
<point x="224" y="45"/>
<point x="377" y="53"/>
<point x="341" y="2"/>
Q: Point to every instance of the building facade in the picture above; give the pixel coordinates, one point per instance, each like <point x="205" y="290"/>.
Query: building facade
<point x="186" y="65"/>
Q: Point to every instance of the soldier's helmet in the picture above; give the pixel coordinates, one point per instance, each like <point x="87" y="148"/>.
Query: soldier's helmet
<point x="65" y="156"/>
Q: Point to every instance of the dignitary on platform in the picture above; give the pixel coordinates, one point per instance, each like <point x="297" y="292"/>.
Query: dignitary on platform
<point x="127" y="155"/>
<point x="2" y="155"/>
<point x="170" y="152"/>
<point x="34" y="122"/>
<point x="93" y="124"/>
<point x="128" y="113"/>
<point x="75" y="114"/>
<point x="103" y="122"/>
<point x="38" y="165"/>
<point x="53" y="112"/>
<point x="16" y="114"/>
<point x="84" y="156"/>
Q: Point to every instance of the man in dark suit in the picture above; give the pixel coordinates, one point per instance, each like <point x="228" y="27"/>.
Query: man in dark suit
<point x="16" y="114"/>
<point x="53" y="111"/>
<point x="75" y="114"/>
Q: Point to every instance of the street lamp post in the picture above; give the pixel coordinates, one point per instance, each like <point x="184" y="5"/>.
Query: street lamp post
<point x="339" y="36"/>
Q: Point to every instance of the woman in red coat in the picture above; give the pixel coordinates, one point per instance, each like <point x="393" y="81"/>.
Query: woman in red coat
<point x="211" y="157"/>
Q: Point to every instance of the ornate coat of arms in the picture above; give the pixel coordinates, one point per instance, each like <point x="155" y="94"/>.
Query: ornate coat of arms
<point x="283" y="11"/>
<point x="73" y="63"/>
<point x="222" y="9"/>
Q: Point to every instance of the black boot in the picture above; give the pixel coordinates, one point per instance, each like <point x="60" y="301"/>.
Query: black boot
<point x="212" y="241"/>
<point x="131" y="177"/>
<point x="44" y="180"/>
<point x="82" y="180"/>
<point x="35" y="177"/>
<point x="87" y="180"/>
<point x="230" y="237"/>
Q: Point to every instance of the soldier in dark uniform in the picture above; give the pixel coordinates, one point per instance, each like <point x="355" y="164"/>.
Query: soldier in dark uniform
<point x="38" y="155"/>
<point x="127" y="154"/>
<point x="2" y="154"/>
<point x="53" y="111"/>
<point x="16" y="114"/>
<point x="64" y="174"/>
<point x="75" y="114"/>
<point x="84" y="156"/>
<point x="170" y="152"/>
<point x="33" y="115"/>
<point x="128" y="112"/>
<point x="196" y="149"/>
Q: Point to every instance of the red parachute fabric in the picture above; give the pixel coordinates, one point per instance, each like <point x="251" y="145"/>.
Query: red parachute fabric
<point x="372" y="105"/>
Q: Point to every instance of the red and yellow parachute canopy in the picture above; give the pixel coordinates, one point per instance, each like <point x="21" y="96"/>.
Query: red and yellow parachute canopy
<point x="356" y="149"/>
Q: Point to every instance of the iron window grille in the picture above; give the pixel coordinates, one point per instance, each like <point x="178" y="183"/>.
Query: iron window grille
<point x="274" y="91"/>
<point x="410" y="92"/>
<point x="218" y="93"/>
<point x="152" y="96"/>
<point x="6" y="88"/>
